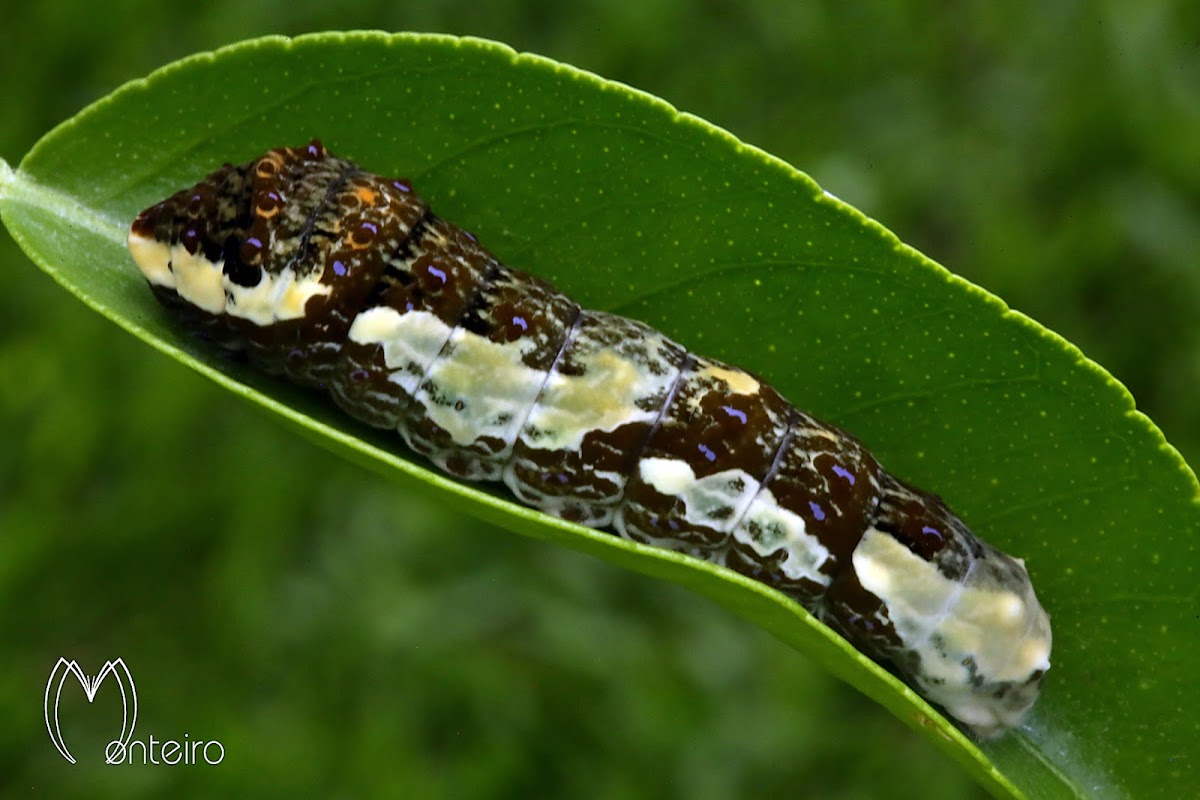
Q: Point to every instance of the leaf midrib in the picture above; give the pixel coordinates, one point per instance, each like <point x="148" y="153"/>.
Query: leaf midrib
<point x="18" y="187"/>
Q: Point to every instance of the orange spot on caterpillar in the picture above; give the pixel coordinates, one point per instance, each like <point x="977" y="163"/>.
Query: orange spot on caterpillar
<point x="268" y="165"/>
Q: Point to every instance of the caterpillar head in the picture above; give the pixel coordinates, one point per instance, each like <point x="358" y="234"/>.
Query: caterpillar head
<point x="274" y="256"/>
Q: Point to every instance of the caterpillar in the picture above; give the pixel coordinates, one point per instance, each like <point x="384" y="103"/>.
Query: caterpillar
<point x="332" y="277"/>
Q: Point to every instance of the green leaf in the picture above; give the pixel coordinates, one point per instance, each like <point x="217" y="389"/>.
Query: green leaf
<point x="631" y="206"/>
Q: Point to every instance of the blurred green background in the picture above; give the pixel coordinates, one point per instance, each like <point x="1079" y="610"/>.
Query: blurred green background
<point x="341" y="637"/>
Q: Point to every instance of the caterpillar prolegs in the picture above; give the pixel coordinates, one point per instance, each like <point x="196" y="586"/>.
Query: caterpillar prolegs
<point x="334" y="277"/>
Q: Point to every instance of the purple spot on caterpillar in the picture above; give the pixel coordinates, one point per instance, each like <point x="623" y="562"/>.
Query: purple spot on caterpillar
<point x="437" y="273"/>
<point x="733" y="412"/>
<point x="339" y="268"/>
<point x="818" y="512"/>
<point x="358" y="376"/>
<point x="842" y="472"/>
<point x="708" y="453"/>
<point x="314" y="151"/>
<point x="371" y="227"/>
<point x="255" y="242"/>
<point x="404" y="187"/>
<point x="934" y="532"/>
<point x="521" y="323"/>
<point x="470" y="236"/>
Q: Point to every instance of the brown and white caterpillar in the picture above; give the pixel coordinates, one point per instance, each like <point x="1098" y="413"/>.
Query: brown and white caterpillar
<point x="337" y="278"/>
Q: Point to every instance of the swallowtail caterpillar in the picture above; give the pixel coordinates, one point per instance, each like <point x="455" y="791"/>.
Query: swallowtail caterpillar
<point x="337" y="278"/>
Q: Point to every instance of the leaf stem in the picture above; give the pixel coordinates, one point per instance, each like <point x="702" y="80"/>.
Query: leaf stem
<point x="6" y="176"/>
<point x="18" y="187"/>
